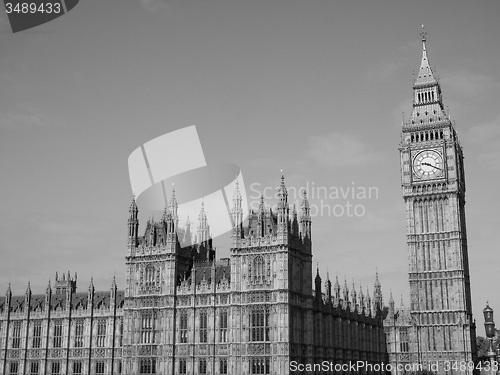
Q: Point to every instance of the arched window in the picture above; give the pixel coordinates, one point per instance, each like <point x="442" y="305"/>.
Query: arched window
<point x="147" y="329"/>
<point x="184" y="327"/>
<point x="223" y="326"/>
<point x="259" y="325"/>
<point x="150" y="276"/>
<point x="258" y="268"/>
<point x="203" y="327"/>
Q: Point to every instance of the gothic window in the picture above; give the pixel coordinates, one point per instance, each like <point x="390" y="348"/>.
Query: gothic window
<point x="147" y="336"/>
<point x="403" y="340"/>
<point x="34" y="368"/>
<point x="223" y="366"/>
<point x="37" y="334"/>
<point x="259" y="330"/>
<point x="79" y="334"/>
<point x="57" y="341"/>
<point x="259" y="365"/>
<point x="101" y="333"/>
<point x="259" y="268"/>
<point x="99" y="368"/>
<point x="16" y="336"/>
<point x="150" y="276"/>
<point x="148" y="366"/>
<point x="77" y="368"/>
<point x="203" y="366"/>
<point x="223" y="326"/>
<point x="55" y="368"/>
<point x="184" y="327"/>
<point x="120" y="341"/>
<point x="14" y="368"/>
<point x="203" y="327"/>
<point x="182" y="366"/>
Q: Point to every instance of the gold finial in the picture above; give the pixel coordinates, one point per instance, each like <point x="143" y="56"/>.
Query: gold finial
<point x="423" y="34"/>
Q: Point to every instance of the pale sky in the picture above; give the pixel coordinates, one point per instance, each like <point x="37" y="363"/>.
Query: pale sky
<point x="316" y="88"/>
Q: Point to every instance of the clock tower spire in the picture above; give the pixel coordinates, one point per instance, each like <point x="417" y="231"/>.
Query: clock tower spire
<point x="433" y="183"/>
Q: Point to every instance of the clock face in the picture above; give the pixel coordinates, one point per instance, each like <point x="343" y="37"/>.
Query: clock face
<point x="428" y="164"/>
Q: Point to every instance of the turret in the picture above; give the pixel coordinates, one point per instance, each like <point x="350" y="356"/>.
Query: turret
<point x="48" y="297"/>
<point x="295" y="223"/>
<point x="346" y="292"/>
<point x="392" y="309"/>
<point x="187" y="240"/>
<point x="283" y="210"/>
<point x="112" y="293"/>
<point x="328" y="288"/>
<point x="8" y="295"/>
<point x="90" y="294"/>
<point x="377" y="294"/>
<point x="305" y="218"/>
<point x="361" y="299"/>
<point x="354" y="296"/>
<point x="237" y="215"/>
<point x="65" y="283"/>
<point x="368" y="301"/>
<point x="133" y="223"/>
<point x="203" y="233"/>
<point x="173" y="209"/>
<point x="336" y="289"/>
<point x="317" y="285"/>
<point x="27" y="299"/>
<point x="261" y="217"/>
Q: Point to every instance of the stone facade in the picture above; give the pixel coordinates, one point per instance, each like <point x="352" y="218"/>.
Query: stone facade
<point x="184" y="312"/>
<point x="438" y="325"/>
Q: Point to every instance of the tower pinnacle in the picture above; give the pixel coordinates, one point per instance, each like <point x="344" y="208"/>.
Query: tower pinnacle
<point x="425" y="74"/>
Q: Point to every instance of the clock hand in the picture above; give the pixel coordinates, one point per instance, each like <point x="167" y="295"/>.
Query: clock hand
<point x="430" y="165"/>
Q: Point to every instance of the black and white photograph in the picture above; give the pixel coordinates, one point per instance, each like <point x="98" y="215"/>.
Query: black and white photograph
<point x="243" y="187"/>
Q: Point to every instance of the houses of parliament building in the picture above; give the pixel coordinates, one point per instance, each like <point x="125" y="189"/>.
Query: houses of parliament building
<point x="182" y="311"/>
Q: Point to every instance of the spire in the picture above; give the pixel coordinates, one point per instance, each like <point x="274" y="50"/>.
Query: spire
<point x="428" y="107"/>
<point x="346" y="291"/>
<point x="262" y="206"/>
<point x="203" y="227"/>
<point x="237" y="197"/>
<point x="187" y="234"/>
<point x="113" y="284"/>
<point x="354" y="296"/>
<point x="282" y="194"/>
<point x="391" y="306"/>
<point x="377" y="293"/>
<point x="173" y="205"/>
<point x="166" y="213"/>
<point x="305" y="217"/>
<point x="237" y="213"/>
<point x="328" y="286"/>
<point x="133" y="224"/>
<point x="133" y="206"/>
<point x="425" y="75"/>
<point x="317" y="283"/>
<point x="336" y="288"/>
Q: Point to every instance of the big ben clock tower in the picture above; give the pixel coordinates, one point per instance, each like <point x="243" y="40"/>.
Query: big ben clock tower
<point x="433" y="183"/>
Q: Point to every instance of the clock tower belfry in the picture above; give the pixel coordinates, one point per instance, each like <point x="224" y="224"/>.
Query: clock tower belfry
<point x="433" y="182"/>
